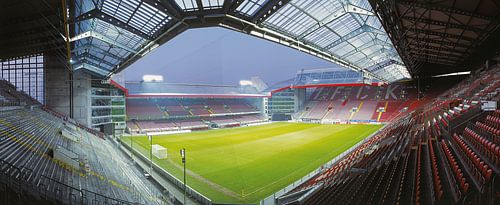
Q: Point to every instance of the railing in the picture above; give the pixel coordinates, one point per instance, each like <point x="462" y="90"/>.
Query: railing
<point x="189" y="191"/>
<point x="11" y="175"/>
<point x="10" y="103"/>
<point x="51" y="189"/>
<point x="69" y="120"/>
<point x="90" y="197"/>
<point x="456" y="123"/>
<point x="58" y="191"/>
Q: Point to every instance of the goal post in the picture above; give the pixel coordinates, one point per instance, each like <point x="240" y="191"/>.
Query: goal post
<point x="159" y="151"/>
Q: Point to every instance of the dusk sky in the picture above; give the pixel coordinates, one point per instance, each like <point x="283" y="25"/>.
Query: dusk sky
<point x="222" y="56"/>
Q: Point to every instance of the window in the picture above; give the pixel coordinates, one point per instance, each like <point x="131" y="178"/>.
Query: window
<point x="26" y="73"/>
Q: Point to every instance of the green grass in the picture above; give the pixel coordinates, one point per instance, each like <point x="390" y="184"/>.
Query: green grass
<point x="247" y="164"/>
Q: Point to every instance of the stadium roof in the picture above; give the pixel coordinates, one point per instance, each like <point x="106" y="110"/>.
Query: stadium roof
<point x="30" y="27"/>
<point x="160" y="89"/>
<point x="112" y="34"/>
<point x="324" y="77"/>
<point x="106" y="36"/>
<point x="436" y="37"/>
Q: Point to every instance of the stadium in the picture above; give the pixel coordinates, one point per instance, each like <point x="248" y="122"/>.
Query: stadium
<point x="269" y="102"/>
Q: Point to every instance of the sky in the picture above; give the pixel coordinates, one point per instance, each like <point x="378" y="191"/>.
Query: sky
<point x="223" y="57"/>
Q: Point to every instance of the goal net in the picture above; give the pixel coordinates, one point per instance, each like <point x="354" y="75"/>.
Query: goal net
<point x="159" y="151"/>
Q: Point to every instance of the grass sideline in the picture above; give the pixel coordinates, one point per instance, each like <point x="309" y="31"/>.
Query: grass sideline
<point x="247" y="164"/>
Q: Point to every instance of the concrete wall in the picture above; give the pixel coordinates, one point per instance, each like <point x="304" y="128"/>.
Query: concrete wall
<point x="82" y="97"/>
<point x="58" y="89"/>
<point x="57" y="83"/>
<point x="300" y="98"/>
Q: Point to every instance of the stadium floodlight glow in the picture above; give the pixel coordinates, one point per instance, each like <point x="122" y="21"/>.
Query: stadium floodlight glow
<point x="246" y="83"/>
<point x="152" y="78"/>
<point x="452" y="74"/>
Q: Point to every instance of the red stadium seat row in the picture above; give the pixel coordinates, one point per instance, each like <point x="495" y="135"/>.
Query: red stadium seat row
<point x="488" y="89"/>
<point x="458" y="169"/>
<point x="443" y="121"/>
<point x="492" y="121"/>
<point x="359" y="158"/>
<point x="347" y="161"/>
<point x="480" y="170"/>
<point x="438" y="188"/>
<point x="418" y="175"/>
<point x="459" y="175"/>
<point x="485" y="146"/>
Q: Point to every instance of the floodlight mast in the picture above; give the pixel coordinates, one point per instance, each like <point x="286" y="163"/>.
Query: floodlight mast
<point x="150" y="137"/>
<point x="183" y="156"/>
<point x="151" y="159"/>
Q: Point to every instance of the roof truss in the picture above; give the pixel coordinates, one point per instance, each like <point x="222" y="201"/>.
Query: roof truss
<point x="364" y="44"/>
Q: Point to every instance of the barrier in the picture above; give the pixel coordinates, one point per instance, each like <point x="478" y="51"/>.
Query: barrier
<point x="190" y="191"/>
<point x="49" y="189"/>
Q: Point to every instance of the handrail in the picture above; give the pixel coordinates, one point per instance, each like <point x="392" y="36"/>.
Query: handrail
<point x="171" y="178"/>
<point x="58" y="190"/>
<point x="107" y="198"/>
<point x="69" y="120"/>
<point x="51" y="188"/>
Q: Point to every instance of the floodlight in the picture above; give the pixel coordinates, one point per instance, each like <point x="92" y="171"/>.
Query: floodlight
<point x="245" y="82"/>
<point x="452" y="74"/>
<point x="152" y="78"/>
<point x="183" y="153"/>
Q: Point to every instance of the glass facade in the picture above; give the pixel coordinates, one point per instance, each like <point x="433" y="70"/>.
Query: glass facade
<point x="347" y="32"/>
<point x="27" y="74"/>
<point x="282" y="102"/>
<point x="108" y="106"/>
<point x="327" y="76"/>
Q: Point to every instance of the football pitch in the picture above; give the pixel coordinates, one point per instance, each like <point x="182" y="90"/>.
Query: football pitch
<point x="247" y="164"/>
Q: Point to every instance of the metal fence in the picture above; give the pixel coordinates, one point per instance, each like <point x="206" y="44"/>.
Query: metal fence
<point x="460" y="121"/>
<point x="47" y="189"/>
<point x="193" y="194"/>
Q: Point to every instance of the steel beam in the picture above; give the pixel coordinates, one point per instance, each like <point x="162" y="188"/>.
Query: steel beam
<point x="230" y="6"/>
<point x="162" y="38"/>
<point x="350" y="8"/>
<point x="385" y="11"/>
<point x="440" y="34"/>
<point x="375" y="42"/>
<point x="326" y="21"/>
<point x="436" y="7"/>
<point x="435" y="59"/>
<point x="434" y="48"/>
<point x="384" y="64"/>
<point x="95" y="13"/>
<point x="440" y="42"/>
<point x="95" y="58"/>
<point x="200" y="5"/>
<point x="98" y="50"/>
<point x="443" y="24"/>
<point x="350" y="35"/>
<point x="267" y="10"/>
<point x="168" y="6"/>
<point x="90" y="67"/>
<point x="431" y="50"/>
<point x="424" y="54"/>
<point x="102" y="37"/>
